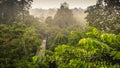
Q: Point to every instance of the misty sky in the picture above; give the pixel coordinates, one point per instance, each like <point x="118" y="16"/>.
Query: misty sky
<point x="56" y="3"/>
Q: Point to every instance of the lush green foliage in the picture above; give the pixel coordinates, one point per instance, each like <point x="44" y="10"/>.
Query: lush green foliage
<point x="95" y="49"/>
<point x="13" y="10"/>
<point x="69" y="46"/>
<point x="18" y="44"/>
<point x="105" y="15"/>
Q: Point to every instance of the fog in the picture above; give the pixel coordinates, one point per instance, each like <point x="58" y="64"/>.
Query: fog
<point x="46" y="4"/>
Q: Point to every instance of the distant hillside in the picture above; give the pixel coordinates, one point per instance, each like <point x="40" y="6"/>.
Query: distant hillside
<point x="42" y="14"/>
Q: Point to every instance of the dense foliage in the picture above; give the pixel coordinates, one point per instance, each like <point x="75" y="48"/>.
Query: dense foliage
<point x="68" y="45"/>
<point x="18" y="44"/>
<point x="13" y="10"/>
<point x="94" y="49"/>
<point x="105" y="15"/>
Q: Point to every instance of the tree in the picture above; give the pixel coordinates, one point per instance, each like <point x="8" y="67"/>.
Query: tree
<point x="104" y="15"/>
<point x="110" y="3"/>
<point x="64" y="16"/>
<point x="95" y="49"/>
<point x="18" y="44"/>
<point x="12" y="10"/>
<point x="49" y="21"/>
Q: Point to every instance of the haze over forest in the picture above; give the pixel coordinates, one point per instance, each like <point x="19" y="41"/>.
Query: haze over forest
<point x="46" y="4"/>
<point x="43" y="9"/>
<point x="59" y="33"/>
<point x="42" y="14"/>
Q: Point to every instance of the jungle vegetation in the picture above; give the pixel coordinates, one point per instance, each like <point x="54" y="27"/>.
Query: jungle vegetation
<point x="68" y="44"/>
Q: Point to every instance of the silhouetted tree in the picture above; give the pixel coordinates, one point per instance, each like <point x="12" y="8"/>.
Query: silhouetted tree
<point x="104" y="15"/>
<point x="64" y="16"/>
<point x="10" y="10"/>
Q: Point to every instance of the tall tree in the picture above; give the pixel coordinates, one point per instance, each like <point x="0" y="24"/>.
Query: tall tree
<point x="64" y="16"/>
<point x="18" y="44"/>
<point x="10" y="10"/>
<point x="104" y="15"/>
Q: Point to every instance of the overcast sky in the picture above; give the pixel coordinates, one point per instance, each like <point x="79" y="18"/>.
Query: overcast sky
<point x="46" y="4"/>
